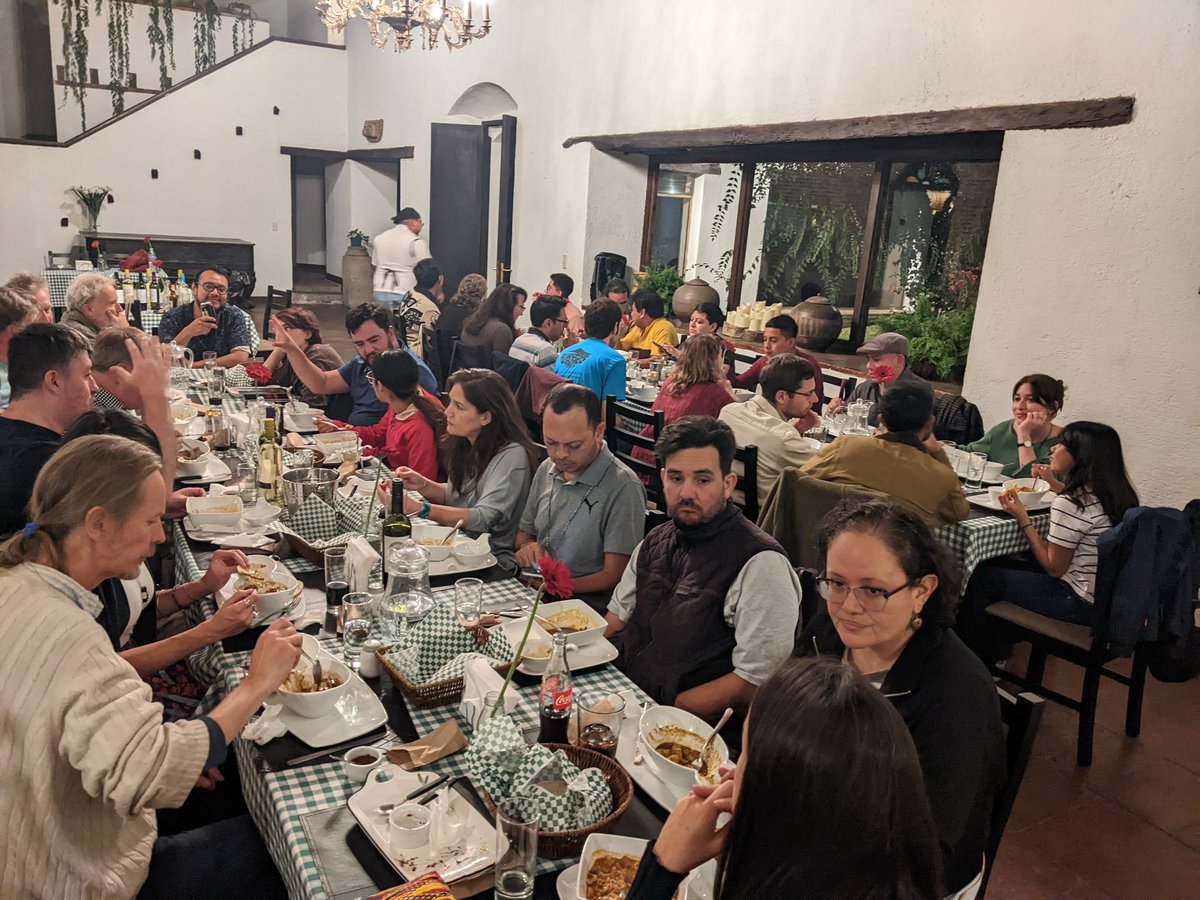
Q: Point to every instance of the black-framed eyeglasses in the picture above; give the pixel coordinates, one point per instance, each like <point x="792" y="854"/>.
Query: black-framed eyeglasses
<point x="813" y="394"/>
<point x="561" y="321"/>
<point x="873" y="599"/>
<point x="215" y="288"/>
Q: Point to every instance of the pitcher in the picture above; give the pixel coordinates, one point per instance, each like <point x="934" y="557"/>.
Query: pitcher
<point x="181" y="361"/>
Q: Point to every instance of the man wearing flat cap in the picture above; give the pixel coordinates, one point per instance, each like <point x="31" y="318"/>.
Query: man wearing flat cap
<point x="887" y="365"/>
<point x="394" y="254"/>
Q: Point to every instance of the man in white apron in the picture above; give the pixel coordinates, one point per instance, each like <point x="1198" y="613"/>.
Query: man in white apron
<point x="394" y="253"/>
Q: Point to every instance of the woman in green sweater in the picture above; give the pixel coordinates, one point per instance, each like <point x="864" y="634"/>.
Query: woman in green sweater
<point x="1030" y="435"/>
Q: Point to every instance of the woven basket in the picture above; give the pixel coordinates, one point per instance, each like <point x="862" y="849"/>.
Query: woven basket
<point x="568" y="844"/>
<point x="428" y="696"/>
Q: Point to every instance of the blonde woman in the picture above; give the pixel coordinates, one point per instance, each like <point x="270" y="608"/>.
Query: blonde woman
<point x="85" y="759"/>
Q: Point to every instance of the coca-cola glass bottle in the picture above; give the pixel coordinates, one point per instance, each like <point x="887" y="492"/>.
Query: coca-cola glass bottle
<point x="554" y="699"/>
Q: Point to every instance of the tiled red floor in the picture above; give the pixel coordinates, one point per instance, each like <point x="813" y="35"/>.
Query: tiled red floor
<point x="1126" y="827"/>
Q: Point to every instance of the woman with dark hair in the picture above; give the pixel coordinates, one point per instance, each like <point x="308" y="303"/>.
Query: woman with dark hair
<point x="890" y="589"/>
<point x="456" y="311"/>
<point x="494" y="324"/>
<point x="827" y="801"/>
<point x="1060" y="580"/>
<point x="488" y="459"/>
<point x="707" y="318"/>
<point x="301" y="326"/>
<point x="409" y="432"/>
<point x="1028" y="437"/>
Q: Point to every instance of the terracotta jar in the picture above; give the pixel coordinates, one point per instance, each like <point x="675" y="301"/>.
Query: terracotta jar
<point x="691" y="294"/>
<point x="818" y="323"/>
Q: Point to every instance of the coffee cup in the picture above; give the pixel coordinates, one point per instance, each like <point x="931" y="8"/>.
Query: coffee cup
<point x="359" y="762"/>
<point x="408" y="827"/>
<point x="992" y="470"/>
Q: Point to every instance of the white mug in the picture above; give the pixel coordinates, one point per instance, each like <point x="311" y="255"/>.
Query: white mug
<point x="358" y="771"/>
<point x="408" y="827"/>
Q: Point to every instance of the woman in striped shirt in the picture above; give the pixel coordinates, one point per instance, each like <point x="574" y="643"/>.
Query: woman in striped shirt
<point x="1060" y="580"/>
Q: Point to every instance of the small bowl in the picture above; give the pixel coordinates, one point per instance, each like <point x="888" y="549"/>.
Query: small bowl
<point x="408" y="827"/>
<point x="473" y="552"/>
<point x="434" y="534"/>
<point x="1037" y="489"/>
<point x="188" y="467"/>
<point x="579" y="638"/>
<point x="183" y="412"/>
<point x="275" y="601"/>
<point x="599" y="845"/>
<point x="223" y="510"/>
<point x="319" y="703"/>
<point x="358" y="771"/>
<point x="992" y="471"/>
<point x="538" y="637"/>
<point x="658" y="718"/>
<point x="333" y="443"/>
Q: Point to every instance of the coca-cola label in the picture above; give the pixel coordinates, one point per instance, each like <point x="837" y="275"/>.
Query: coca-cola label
<point x="562" y="700"/>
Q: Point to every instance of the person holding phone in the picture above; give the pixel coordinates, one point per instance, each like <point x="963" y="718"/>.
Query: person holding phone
<point x="211" y="323"/>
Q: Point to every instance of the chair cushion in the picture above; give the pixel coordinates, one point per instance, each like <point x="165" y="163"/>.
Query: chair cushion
<point x="1076" y="635"/>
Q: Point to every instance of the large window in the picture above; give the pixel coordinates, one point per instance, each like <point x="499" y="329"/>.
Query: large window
<point x="672" y="213"/>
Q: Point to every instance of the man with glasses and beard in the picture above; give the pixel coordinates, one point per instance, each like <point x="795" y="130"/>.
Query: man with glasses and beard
<point x="709" y="603"/>
<point x="210" y="323"/>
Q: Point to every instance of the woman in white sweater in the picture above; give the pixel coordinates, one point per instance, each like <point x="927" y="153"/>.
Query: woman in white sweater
<point x="85" y="758"/>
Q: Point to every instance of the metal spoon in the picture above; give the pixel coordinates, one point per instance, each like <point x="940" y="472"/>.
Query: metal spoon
<point x="698" y="762"/>
<point x="316" y="665"/>
<point x="637" y="743"/>
<point x="449" y="541"/>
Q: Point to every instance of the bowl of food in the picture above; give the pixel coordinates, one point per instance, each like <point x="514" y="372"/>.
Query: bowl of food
<point x="582" y="624"/>
<point x="672" y="738"/>
<point x="183" y="412"/>
<point x="608" y="865"/>
<point x="335" y="443"/>
<point x="217" y="510"/>
<point x="191" y="456"/>
<point x="430" y="538"/>
<point x="536" y="655"/>
<point x="1028" y="490"/>
<point x="992" y="471"/>
<point x="276" y="586"/>
<point x="640" y="390"/>
<point x="472" y="552"/>
<point x="300" y="694"/>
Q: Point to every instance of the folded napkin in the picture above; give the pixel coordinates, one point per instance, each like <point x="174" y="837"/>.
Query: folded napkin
<point x="445" y="740"/>
<point x="480" y="679"/>
<point x="245" y="540"/>
<point x="361" y="558"/>
<point x="267" y="726"/>
<point x="294" y="441"/>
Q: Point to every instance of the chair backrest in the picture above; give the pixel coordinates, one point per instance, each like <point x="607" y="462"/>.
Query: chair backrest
<point x="622" y="438"/>
<point x="53" y="258"/>
<point x="744" y="356"/>
<point x="795" y="506"/>
<point x="747" y="480"/>
<point x="837" y="386"/>
<point x="1022" y="715"/>
<point x="464" y="357"/>
<point x="511" y="370"/>
<point x="276" y="300"/>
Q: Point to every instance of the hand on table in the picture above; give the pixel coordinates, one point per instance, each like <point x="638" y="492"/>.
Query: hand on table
<point x="177" y="502"/>
<point x="275" y="654"/>
<point x="690" y="837"/>
<point x="235" y="615"/>
<point x="223" y="564"/>
<point x="530" y="553"/>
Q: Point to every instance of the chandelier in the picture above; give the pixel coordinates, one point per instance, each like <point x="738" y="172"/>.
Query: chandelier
<point x="400" y="21"/>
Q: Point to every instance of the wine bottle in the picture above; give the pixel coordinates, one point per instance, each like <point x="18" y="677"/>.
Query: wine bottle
<point x="396" y="527"/>
<point x="127" y="290"/>
<point x="140" y="290"/>
<point x="270" y="463"/>
<point x="152" y="294"/>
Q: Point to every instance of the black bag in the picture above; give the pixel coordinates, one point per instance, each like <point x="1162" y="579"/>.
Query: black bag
<point x="956" y="419"/>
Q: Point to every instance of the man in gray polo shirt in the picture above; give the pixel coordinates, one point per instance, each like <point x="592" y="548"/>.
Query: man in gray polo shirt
<point x="586" y="508"/>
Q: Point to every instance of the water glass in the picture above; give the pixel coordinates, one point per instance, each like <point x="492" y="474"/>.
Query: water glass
<point x="356" y="626"/>
<point x="216" y="384"/>
<point x="305" y="459"/>
<point x="245" y="478"/>
<point x="516" y="850"/>
<point x="976" y="463"/>
<point x="220" y="432"/>
<point x="210" y="358"/>
<point x="468" y="601"/>
<point x="600" y="716"/>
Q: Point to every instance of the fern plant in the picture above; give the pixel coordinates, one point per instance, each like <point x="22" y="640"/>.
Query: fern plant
<point x="663" y="280"/>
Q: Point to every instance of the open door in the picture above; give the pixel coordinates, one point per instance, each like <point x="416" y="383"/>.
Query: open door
<point x="460" y="190"/>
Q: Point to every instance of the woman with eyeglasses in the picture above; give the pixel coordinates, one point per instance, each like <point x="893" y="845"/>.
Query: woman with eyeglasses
<point x="890" y="589"/>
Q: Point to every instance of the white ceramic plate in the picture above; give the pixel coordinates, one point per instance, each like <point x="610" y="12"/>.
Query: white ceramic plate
<point x="357" y="712"/>
<point x="454" y="566"/>
<point x="212" y="471"/>
<point x="476" y="853"/>
<point x="985" y="501"/>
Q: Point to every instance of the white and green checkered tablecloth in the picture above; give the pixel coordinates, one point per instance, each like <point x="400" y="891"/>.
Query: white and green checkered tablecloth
<point x="278" y="801"/>
<point x="975" y="540"/>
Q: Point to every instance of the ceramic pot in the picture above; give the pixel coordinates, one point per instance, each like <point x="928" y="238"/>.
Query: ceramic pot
<point x="818" y="323"/>
<point x="691" y="294"/>
<point x="357" y="273"/>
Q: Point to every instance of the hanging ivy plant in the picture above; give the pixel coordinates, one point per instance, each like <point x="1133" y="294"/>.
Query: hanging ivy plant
<point x="75" y="18"/>
<point x="168" y="24"/>
<point x="204" y="38"/>
<point x="118" y="52"/>
<point x="158" y="41"/>
<point x="243" y="26"/>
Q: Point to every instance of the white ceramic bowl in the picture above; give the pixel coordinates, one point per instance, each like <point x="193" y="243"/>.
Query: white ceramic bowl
<point x="320" y="703"/>
<point x="1037" y="489"/>
<point x="639" y="391"/>
<point x="183" y="412"/>
<point x="599" y="845"/>
<point x="192" y="466"/>
<point x="271" y="603"/>
<point x="223" y="510"/>
<point x="435" y="534"/>
<point x="652" y="732"/>
<point x="472" y="552"/>
<point x="333" y="443"/>
<point x="513" y="630"/>
<point x="992" y="470"/>
<point x="579" y="638"/>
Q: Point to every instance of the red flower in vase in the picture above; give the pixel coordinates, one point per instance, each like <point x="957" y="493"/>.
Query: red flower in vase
<point x="146" y="239"/>
<point x="260" y="373"/>
<point x="882" y="374"/>
<point x="556" y="576"/>
<point x="95" y="245"/>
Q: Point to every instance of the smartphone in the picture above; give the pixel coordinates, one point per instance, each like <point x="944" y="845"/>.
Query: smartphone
<point x="206" y="309"/>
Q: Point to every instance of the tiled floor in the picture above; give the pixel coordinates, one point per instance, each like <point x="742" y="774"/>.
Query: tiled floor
<point x="1127" y="827"/>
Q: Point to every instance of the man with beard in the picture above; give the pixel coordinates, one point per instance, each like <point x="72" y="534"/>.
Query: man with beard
<point x="371" y="332"/>
<point x="209" y="322"/>
<point x="709" y="603"/>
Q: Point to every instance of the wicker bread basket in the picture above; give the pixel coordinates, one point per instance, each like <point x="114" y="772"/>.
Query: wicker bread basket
<point x="427" y="696"/>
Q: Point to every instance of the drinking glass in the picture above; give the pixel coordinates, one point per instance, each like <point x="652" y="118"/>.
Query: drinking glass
<point x="245" y="478"/>
<point x="305" y="459"/>
<point x="516" y="849"/>
<point x="356" y="626"/>
<point x="210" y="358"/>
<point x="600" y="715"/>
<point x="377" y="588"/>
<point x="216" y="384"/>
<point x="468" y="601"/>
<point x="337" y="586"/>
<point x="220" y="430"/>
<point x="976" y="463"/>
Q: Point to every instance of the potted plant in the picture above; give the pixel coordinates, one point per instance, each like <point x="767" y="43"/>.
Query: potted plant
<point x="358" y="238"/>
<point x="938" y="341"/>
<point x="663" y="280"/>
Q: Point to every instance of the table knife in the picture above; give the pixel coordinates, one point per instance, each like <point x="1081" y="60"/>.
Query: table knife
<point x="328" y="751"/>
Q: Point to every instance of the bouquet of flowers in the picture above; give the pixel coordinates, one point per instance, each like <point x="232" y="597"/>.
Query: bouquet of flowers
<point x="92" y="199"/>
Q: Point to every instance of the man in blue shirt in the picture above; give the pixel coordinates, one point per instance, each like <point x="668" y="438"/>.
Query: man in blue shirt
<point x="372" y="332"/>
<point x="593" y="362"/>
<point x="228" y="331"/>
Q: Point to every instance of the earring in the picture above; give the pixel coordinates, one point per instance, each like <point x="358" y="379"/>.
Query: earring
<point x="916" y="622"/>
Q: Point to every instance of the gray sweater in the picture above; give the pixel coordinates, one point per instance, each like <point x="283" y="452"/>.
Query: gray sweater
<point x="496" y="500"/>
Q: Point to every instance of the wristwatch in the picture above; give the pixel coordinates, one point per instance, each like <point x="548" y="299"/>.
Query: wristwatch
<point x="1027" y="444"/>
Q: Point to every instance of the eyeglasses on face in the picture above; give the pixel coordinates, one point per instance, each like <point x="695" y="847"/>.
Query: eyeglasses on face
<point x="810" y="394"/>
<point x="873" y="599"/>
<point x="215" y="288"/>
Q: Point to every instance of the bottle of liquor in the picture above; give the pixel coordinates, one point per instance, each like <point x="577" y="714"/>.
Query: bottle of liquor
<point x="184" y="292"/>
<point x="556" y="695"/>
<point x="172" y="299"/>
<point x="396" y="527"/>
<point x="270" y="463"/>
<point x="128" y="290"/>
<point x="152" y="292"/>
<point x="140" y="290"/>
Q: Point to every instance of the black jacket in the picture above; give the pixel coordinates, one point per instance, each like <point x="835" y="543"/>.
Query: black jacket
<point x="949" y="703"/>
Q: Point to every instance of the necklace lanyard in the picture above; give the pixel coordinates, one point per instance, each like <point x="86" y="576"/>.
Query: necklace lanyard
<point x="548" y="542"/>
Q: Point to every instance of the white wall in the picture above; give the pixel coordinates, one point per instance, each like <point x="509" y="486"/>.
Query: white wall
<point x="1091" y="267"/>
<point x="240" y="188"/>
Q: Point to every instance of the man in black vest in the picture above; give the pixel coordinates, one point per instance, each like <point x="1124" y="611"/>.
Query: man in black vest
<point x="709" y="603"/>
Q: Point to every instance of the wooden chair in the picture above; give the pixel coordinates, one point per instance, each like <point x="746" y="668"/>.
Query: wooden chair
<point x="276" y="300"/>
<point x="747" y="480"/>
<point x="621" y="441"/>
<point x="1022" y="716"/>
<point x="837" y="386"/>
<point x="463" y="357"/>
